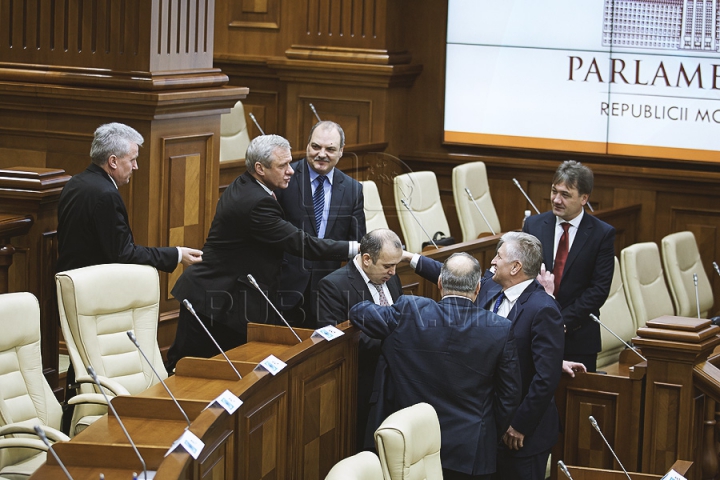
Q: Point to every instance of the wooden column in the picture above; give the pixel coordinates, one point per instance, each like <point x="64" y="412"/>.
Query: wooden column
<point x="673" y="346"/>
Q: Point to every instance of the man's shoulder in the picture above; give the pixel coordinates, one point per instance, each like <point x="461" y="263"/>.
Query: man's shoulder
<point x="596" y="222"/>
<point x="341" y="275"/>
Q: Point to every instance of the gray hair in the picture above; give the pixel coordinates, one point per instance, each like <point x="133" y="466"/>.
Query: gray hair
<point x="460" y="273"/>
<point x="328" y="124"/>
<point x="574" y="175"/>
<point x="261" y="149"/>
<point x="113" y="139"/>
<point x="373" y="242"/>
<point x="524" y="248"/>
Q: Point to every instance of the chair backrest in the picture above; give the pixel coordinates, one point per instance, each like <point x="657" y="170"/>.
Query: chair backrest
<point x="234" y="137"/>
<point x="98" y="305"/>
<point x="25" y="396"/>
<point x="374" y="214"/>
<point x="615" y="313"/>
<point x="473" y="176"/>
<point x="362" y="466"/>
<point x="644" y="284"/>
<point x="408" y="444"/>
<point x="420" y="191"/>
<point x="681" y="258"/>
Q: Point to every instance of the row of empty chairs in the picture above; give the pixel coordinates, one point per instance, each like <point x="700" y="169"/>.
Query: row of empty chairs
<point x="420" y="192"/>
<point x="645" y="287"/>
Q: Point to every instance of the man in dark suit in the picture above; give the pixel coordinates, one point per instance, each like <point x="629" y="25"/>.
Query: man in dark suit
<point x="248" y="236"/>
<point x="454" y="355"/>
<point x="369" y="276"/>
<point x="324" y="202"/>
<point x="93" y="223"/>
<point x="578" y="249"/>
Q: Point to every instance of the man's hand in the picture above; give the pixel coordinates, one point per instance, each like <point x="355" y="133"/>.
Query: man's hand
<point x="190" y="256"/>
<point x="406" y="256"/>
<point x="513" y="439"/>
<point x="571" y="367"/>
<point x="547" y="280"/>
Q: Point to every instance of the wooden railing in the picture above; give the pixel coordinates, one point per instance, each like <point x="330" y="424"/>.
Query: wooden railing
<point x="10" y="226"/>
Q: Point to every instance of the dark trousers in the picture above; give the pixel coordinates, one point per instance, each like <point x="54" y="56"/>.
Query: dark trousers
<point x="452" y="475"/>
<point x="589" y="360"/>
<point x="512" y="467"/>
<point x="192" y="341"/>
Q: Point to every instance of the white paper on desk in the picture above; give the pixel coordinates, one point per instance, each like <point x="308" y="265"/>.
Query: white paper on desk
<point x="272" y="364"/>
<point x="228" y="401"/>
<point x="673" y="475"/>
<point x="328" y="333"/>
<point x="190" y="442"/>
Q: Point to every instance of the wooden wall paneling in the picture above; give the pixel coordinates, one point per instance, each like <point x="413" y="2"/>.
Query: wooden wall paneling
<point x="646" y="198"/>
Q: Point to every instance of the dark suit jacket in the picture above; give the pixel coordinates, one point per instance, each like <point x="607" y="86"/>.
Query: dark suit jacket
<point x="346" y="221"/>
<point x="93" y="227"/>
<point x="248" y="236"/>
<point x="457" y="357"/>
<point x="586" y="279"/>
<point x="537" y="325"/>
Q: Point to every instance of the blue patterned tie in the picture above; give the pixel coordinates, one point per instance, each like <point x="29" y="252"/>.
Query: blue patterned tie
<point x="499" y="301"/>
<point x="319" y="201"/>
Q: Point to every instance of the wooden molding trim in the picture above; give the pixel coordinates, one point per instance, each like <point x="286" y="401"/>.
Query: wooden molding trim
<point x="345" y="54"/>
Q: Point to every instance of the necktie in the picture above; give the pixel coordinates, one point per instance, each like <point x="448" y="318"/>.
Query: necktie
<point x="319" y="201"/>
<point x="561" y="256"/>
<point x="382" y="300"/>
<point x="498" y="302"/>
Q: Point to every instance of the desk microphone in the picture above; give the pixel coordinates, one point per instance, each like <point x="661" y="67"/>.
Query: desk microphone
<point x="596" y="319"/>
<point x="255" y="284"/>
<point x="92" y="373"/>
<point x="132" y="338"/>
<point x="564" y="469"/>
<point x="517" y="184"/>
<point x="252" y="117"/>
<point x="189" y="307"/>
<point x="697" y="294"/>
<point x="402" y="200"/>
<point x="597" y="427"/>
<point x="40" y="433"/>
<point x="312" y="107"/>
<point x="717" y="269"/>
<point x="467" y="190"/>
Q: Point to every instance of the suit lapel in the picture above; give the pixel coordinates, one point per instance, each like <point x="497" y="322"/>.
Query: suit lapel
<point x="547" y="238"/>
<point x="519" y="306"/>
<point x="489" y="290"/>
<point x="583" y="233"/>
<point x="357" y="282"/>
<point x="305" y="193"/>
<point x="338" y="190"/>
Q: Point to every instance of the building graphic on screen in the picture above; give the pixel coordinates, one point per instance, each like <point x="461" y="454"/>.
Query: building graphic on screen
<point x="663" y="24"/>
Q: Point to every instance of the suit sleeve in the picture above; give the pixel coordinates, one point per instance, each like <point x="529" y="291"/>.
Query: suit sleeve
<point x="334" y="303"/>
<point x="117" y="240"/>
<point x="268" y="226"/>
<point x="428" y="268"/>
<point x="508" y="386"/>
<point x="375" y="321"/>
<point x="592" y="298"/>
<point x="546" y="348"/>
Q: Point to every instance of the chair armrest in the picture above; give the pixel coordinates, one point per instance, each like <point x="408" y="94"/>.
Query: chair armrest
<point x="52" y="434"/>
<point x="114" y="387"/>
<point x="23" y="442"/>
<point x="87" y="398"/>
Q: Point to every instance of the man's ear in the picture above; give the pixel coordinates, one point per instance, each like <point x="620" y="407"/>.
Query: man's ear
<point x="584" y="198"/>
<point x="112" y="162"/>
<point x="259" y="169"/>
<point x="439" y="283"/>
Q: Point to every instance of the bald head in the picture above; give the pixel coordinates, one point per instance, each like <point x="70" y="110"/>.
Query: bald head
<point x="460" y="275"/>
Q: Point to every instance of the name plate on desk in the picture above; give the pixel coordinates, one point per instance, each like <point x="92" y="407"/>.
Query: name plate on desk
<point x="190" y="442"/>
<point x="272" y="364"/>
<point x="328" y="333"/>
<point x="228" y="401"/>
<point x="673" y="475"/>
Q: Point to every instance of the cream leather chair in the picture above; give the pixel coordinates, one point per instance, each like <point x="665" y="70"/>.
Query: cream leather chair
<point x="234" y="137"/>
<point x="644" y="284"/>
<point x="98" y="305"/>
<point x="26" y="399"/>
<point x="681" y="258"/>
<point x="408" y="444"/>
<point x="362" y="466"/>
<point x="473" y="176"/>
<point x="615" y="313"/>
<point x="374" y="214"/>
<point x="420" y="191"/>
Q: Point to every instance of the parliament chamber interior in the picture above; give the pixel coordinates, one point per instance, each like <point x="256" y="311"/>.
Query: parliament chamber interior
<point x="441" y="142"/>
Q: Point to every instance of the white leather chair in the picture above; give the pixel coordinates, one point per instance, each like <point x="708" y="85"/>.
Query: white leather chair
<point x="98" y="305"/>
<point x="234" y="137"/>
<point x="420" y="191"/>
<point x="681" y="258"/>
<point x="644" y="284"/>
<point x="473" y="176"/>
<point x="26" y="399"/>
<point x="374" y="213"/>
<point x="362" y="466"/>
<point x="408" y="444"/>
<point x="615" y="313"/>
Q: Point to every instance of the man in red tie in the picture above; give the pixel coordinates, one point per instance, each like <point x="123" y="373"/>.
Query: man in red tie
<point x="578" y="249"/>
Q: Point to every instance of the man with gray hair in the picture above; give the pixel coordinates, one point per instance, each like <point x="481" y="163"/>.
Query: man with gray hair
<point x="93" y="223"/>
<point x="248" y="235"/>
<point x="454" y="355"/>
